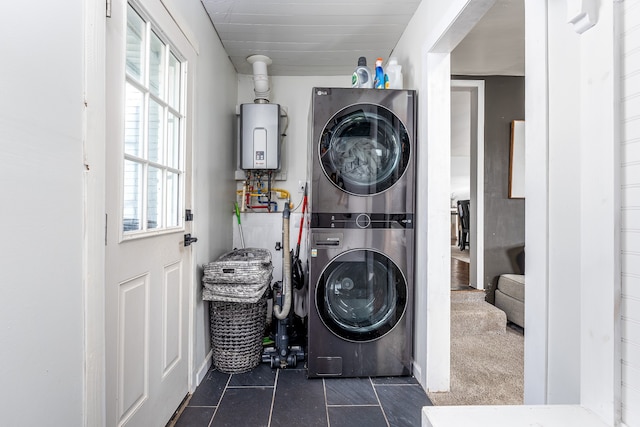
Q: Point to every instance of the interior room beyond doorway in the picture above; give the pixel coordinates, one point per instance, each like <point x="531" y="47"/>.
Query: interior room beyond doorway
<point x="467" y="182"/>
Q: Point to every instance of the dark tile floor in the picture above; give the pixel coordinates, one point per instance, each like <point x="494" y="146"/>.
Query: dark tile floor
<point x="274" y="398"/>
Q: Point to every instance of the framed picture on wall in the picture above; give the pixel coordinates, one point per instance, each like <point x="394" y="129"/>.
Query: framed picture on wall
<point x="516" y="163"/>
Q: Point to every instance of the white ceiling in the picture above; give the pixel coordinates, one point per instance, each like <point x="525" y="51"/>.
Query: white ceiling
<point x="309" y="37"/>
<point x="495" y="46"/>
<point x="316" y="37"/>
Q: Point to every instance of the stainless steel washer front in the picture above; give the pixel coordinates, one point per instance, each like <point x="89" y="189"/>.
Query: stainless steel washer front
<point x="360" y="302"/>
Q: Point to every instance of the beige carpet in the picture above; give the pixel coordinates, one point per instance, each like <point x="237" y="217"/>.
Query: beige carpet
<point x="486" y="369"/>
<point x="487" y="357"/>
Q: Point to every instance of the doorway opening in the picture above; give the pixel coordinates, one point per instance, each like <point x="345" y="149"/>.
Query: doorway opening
<point x="467" y="184"/>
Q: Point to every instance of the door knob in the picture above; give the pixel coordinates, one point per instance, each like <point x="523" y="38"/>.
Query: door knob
<point x="188" y="240"/>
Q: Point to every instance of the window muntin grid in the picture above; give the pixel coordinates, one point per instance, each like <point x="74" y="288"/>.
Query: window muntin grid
<point x="153" y="178"/>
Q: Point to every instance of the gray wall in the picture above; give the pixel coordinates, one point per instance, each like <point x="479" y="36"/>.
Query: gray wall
<point x="504" y="217"/>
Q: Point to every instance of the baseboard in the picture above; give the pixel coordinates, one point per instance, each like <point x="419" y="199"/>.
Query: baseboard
<point x="417" y="374"/>
<point x="204" y="368"/>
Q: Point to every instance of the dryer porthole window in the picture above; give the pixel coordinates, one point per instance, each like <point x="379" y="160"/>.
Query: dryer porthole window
<point x="364" y="149"/>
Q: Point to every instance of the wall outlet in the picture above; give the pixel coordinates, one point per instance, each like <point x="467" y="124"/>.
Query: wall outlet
<point x="301" y="185"/>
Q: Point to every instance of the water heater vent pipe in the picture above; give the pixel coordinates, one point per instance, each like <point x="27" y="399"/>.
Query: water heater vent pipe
<point x="260" y="77"/>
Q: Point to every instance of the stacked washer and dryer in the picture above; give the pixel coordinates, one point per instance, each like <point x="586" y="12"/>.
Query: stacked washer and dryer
<point x="361" y="240"/>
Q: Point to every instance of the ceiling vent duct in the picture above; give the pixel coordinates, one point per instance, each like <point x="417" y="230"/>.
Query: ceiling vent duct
<point x="260" y="77"/>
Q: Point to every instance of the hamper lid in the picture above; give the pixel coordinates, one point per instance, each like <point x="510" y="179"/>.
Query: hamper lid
<point x="249" y="265"/>
<point x="247" y="255"/>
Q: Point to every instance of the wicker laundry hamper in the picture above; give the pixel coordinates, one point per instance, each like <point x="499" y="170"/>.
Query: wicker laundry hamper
<point x="236" y="334"/>
<point x="236" y="285"/>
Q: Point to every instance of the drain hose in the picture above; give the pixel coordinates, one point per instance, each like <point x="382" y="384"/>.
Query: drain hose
<point x="281" y="313"/>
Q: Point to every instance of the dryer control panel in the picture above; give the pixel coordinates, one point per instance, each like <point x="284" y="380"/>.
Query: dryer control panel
<point x="361" y="220"/>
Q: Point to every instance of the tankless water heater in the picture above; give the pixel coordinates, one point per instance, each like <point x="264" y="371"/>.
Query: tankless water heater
<point x="260" y="136"/>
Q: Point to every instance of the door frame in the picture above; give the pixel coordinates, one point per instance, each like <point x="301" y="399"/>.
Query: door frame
<point x="476" y="247"/>
<point x="433" y="239"/>
<point x="94" y="147"/>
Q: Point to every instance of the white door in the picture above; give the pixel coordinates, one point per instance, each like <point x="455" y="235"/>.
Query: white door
<point x="149" y="270"/>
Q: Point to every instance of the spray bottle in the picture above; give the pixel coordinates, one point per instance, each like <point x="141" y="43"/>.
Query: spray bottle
<point x="378" y="82"/>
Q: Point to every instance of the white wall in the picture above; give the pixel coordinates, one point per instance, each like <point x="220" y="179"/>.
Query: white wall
<point x="41" y="153"/>
<point x="600" y="218"/>
<point x="572" y="228"/>
<point x="213" y="151"/>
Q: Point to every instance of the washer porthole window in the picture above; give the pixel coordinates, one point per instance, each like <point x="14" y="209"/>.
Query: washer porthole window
<point x="361" y="295"/>
<point x="364" y="149"/>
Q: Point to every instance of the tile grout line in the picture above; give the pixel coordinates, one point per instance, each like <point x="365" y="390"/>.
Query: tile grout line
<point x="359" y="405"/>
<point x="273" y="397"/>
<point x="379" y="402"/>
<point x="396" y="385"/>
<point x="244" y="387"/>
<point x="224" y="391"/>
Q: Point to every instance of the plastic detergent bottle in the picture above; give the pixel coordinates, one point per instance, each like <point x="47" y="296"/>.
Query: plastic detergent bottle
<point x="378" y="81"/>
<point x="362" y="75"/>
<point x="394" y="74"/>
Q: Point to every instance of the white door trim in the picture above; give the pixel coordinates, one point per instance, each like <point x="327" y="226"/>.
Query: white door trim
<point x="476" y="89"/>
<point x="536" y="362"/>
<point x="433" y="242"/>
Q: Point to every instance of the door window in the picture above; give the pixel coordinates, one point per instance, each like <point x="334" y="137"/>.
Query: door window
<point x="364" y="149"/>
<point x="361" y="295"/>
<point x="154" y="135"/>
